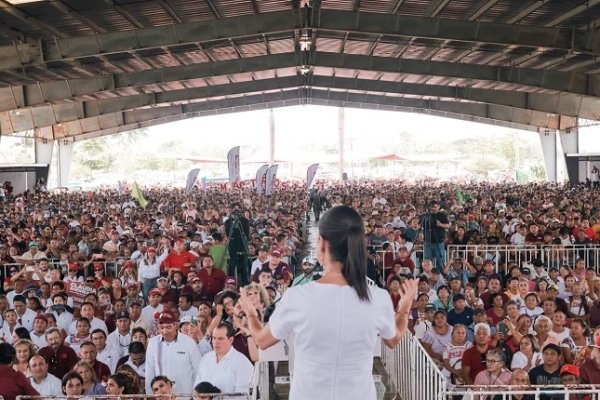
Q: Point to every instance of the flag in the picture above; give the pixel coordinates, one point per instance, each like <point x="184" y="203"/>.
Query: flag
<point x="191" y="179"/>
<point x="136" y="193"/>
<point x="233" y="162"/>
<point x="261" y="179"/>
<point x="459" y="196"/>
<point x="521" y="177"/>
<point x="270" y="180"/>
<point x="310" y="175"/>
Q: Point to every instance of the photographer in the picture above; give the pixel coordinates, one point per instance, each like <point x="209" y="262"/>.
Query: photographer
<point x="434" y="224"/>
<point x="237" y="228"/>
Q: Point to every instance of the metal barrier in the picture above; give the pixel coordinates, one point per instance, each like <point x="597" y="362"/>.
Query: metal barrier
<point x="215" y="396"/>
<point x="489" y="392"/>
<point x="552" y="256"/>
<point x="411" y="372"/>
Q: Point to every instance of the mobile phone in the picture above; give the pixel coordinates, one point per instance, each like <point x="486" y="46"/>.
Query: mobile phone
<point x="502" y="328"/>
<point x="30" y="269"/>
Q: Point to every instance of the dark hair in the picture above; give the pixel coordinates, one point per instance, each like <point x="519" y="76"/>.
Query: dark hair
<point x="7" y="353"/>
<point x="20" y="298"/>
<point x="136" y="348"/>
<point x="228" y="327"/>
<point x="206" y="387"/>
<point x="121" y="381"/>
<point x="139" y="329"/>
<point x="83" y="319"/>
<point x="217" y="236"/>
<point x="161" y="378"/>
<point x="68" y="376"/>
<point x="97" y="331"/>
<point x="188" y="297"/>
<point x="22" y="333"/>
<point x="343" y="229"/>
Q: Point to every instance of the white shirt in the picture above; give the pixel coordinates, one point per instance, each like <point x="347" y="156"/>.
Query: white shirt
<point x="178" y="359"/>
<point x="520" y="360"/>
<point x="335" y="334"/>
<point x="204" y="346"/>
<point x="39" y="341"/>
<point x="119" y="343"/>
<point x="141" y="370"/>
<point x="27" y="319"/>
<point x="142" y="323"/>
<point x="233" y="374"/>
<point x="560" y="336"/>
<point x="257" y="265"/>
<point x="11" y="295"/>
<point x="148" y="311"/>
<point x="95" y="323"/>
<point x="192" y="312"/>
<point x="68" y="278"/>
<point x="51" y="386"/>
<point x="147" y="270"/>
<point x="109" y="356"/>
<point x="64" y="320"/>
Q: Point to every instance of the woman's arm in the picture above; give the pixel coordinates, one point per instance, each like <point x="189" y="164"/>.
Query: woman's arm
<point x="409" y="290"/>
<point x="261" y="334"/>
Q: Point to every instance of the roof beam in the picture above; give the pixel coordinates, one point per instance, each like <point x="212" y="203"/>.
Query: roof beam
<point x="571" y="13"/>
<point x="481" y="10"/>
<point x="439" y="8"/>
<point x="30" y="19"/>
<point x="169" y="10"/>
<point x="469" y="111"/>
<point x="526" y="11"/>
<point x="35" y="117"/>
<point x="391" y="26"/>
<point x="125" y="14"/>
<point x="213" y="9"/>
<point x="70" y="89"/>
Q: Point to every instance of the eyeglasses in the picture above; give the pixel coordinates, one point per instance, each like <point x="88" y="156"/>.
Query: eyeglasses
<point x="492" y="362"/>
<point x="13" y="271"/>
<point x="89" y="281"/>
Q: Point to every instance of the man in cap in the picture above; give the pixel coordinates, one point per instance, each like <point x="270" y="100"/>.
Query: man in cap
<point x="460" y="314"/>
<point x="133" y="295"/>
<point x="179" y="258"/>
<point x="38" y="334"/>
<point x="120" y="338"/>
<point x="137" y="320"/>
<point x="231" y="284"/>
<point x="308" y="264"/>
<point x="404" y="260"/>
<point x="281" y="271"/>
<point x="169" y="296"/>
<point x="195" y="288"/>
<point x="154" y="304"/>
<point x="31" y="256"/>
<point x="172" y="353"/>
<point x="426" y="323"/>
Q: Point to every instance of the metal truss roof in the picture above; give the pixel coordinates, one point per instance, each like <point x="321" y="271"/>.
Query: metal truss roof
<point x="77" y="69"/>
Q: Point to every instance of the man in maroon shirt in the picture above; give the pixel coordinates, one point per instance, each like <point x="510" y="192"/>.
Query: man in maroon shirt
<point x="473" y="361"/>
<point x="213" y="278"/>
<point x="281" y="271"/>
<point x="404" y="259"/>
<point x="493" y="287"/>
<point x="12" y="383"/>
<point x="194" y="287"/>
<point x="590" y="370"/>
<point x="60" y="358"/>
<point x="169" y="296"/>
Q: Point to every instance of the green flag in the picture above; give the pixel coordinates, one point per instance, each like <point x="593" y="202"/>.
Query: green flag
<point x="459" y="195"/>
<point x="521" y="177"/>
<point x="136" y="193"/>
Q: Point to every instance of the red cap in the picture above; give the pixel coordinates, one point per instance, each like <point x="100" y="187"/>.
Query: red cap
<point x="231" y="281"/>
<point x="41" y="316"/>
<point x="128" y="264"/>
<point x="569" y="369"/>
<point x="178" y="240"/>
<point x="402" y="248"/>
<point x="73" y="267"/>
<point x="166" y="317"/>
<point x="195" y="279"/>
<point x="114" y="232"/>
<point x="488" y="262"/>
<point x="154" y="292"/>
<point x="276" y="253"/>
<point x="130" y="286"/>
<point x="98" y="267"/>
<point x="151" y="248"/>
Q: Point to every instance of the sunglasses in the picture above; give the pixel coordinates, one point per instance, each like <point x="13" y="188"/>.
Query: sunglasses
<point x="90" y="281"/>
<point x="13" y="271"/>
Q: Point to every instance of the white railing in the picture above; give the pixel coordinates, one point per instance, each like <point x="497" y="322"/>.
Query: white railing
<point x="411" y="372"/>
<point x="215" y="396"/>
<point x="551" y="256"/>
<point x="557" y="392"/>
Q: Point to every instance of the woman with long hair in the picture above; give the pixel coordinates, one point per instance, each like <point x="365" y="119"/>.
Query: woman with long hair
<point x="437" y="338"/>
<point x="25" y="349"/>
<point x="162" y="387"/>
<point x="149" y="269"/>
<point x="91" y="383"/>
<point x="72" y="385"/>
<point x="118" y="384"/>
<point x="337" y="319"/>
<point x="527" y="356"/>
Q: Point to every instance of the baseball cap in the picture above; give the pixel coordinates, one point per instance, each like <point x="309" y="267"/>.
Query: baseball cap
<point x="195" y="279"/>
<point x="554" y="287"/>
<point x="33" y="244"/>
<point x="161" y="278"/>
<point x="135" y="303"/>
<point x="430" y="307"/>
<point x="98" y="267"/>
<point x="537" y="262"/>
<point x="154" y="292"/>
<point x="31" y="287"/>
<point x="73" y="267"/>
<point x="41" y="316"/>
<point x="263" y="248"/>
<point x="404" y="271"/>
<point x="128" y="264"/>
<point x="166" y="317"/>
<point x="188" y="319"/>
<point x="525" y="271"/>
<point x="121" y="314"/>
<point x="569" y="369"/>
<point x="276" y="253"/>
<point x="308" y="260"/>
<point x="151" y="248"/>
<point x="178" y="240"/>
<point x="194" y="245"/>
<point x="231" y="281"/>
<point x="488" y="262"/>
<point x="131" y="286"/>
<point x="402" y="248"/>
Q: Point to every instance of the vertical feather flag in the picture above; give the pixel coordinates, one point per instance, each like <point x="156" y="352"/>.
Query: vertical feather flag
<point x="136" y="193"/>
<point x="459" y="195"/>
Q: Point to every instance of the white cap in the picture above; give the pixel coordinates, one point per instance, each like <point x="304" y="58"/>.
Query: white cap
<point x="309" y="260"/>
<point x="193" y="245"/>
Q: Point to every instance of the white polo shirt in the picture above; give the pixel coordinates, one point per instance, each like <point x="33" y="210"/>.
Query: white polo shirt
<point x="119" y="343"/>
<point x="233" y="374"/>
<point x="109" y="356"/>
<point x="51" y="386"/>
<point x="95" y="323"/>
<point x="177" y="359"/>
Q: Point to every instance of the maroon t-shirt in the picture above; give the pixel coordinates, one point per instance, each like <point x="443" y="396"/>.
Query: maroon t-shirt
<point x="473" y="358"/>
<point x="281" y="272"/>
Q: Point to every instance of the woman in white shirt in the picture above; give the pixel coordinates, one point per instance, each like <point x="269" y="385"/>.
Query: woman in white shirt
<point x="528" y="355"/>
<point x="149" y="270"/>
<point x="336" y="320"/>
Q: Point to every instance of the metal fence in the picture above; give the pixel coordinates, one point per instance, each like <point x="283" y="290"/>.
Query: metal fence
<point x="552" y="256"/>
<point x="181" y="396"/>
<point x="587" y="392"/>
<point x="411" y="372"/>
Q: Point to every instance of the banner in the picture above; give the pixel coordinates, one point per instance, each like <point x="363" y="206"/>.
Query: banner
<point x="136" y="193"/>
<point x="261" y="179"/>
<point x="310" y="175"/>
<point x="521" y="177"/>
<point x="78" y="290"/>
<point x="270" y="180"/>
<point x="460" y="197"/>
<point x="191" y="179"/>
<point x="233" y="162"/>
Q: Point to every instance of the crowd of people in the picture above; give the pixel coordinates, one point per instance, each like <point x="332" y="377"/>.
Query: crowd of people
<point x="100" y="296"/>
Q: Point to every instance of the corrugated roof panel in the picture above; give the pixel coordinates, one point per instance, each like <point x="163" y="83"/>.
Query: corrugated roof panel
<point x="461" y="9"/>
<point x="281" y="46"/>
<point x="503" y="10"/>
<point x="356" y="47"/>
<point x="223" y="53"/>
<point x="253" y="49"/>
<point x="378" y="6"/>
<point x="264" y="74"/>
<point x="582" y="19"/>
<point x="233" y="8"/>
<point x="273" y="5"/>
<point x="386" y="50"/>
<point x="416" y="8"/>
<point x="149" y="13"/>
<point x="549" y="11"/>
<point x="338" y="4"/>
<point x="191" y="10"/>
<point x="329" y="45"/>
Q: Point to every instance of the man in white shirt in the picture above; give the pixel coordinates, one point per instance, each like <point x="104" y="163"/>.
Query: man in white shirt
<point x="154" y="298"/>
<point x="38" y="334"/>
<point x="87" y="311"/>
<point x="172" y="353"/>
<point x="120" y="338"/>
<point x="25" y="316"/>
<point x="62" y="316"/>
<point x="137" y="358"/>
<point x="186" y="306"/>
<point x="137" y="320"/>
<point x="105" y="354"/>
<point x="46" y="384"/>
<point x="225" y="367"/>
<point x="263" y="257"/>
<point x="31" y="256"/>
